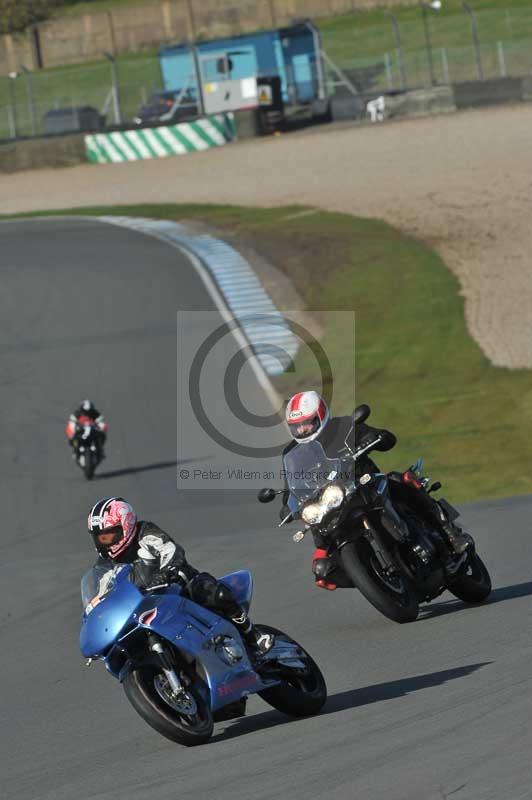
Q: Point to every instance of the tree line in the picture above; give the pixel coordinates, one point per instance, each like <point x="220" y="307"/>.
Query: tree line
<point x="17" y="15"/>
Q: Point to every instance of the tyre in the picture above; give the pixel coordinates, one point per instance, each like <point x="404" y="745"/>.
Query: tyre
<point x="393" y="597"/>
<point x="146" y="690"/>
<point x="474" y="585"/>
<point x="300" y="695"/>
<point x="89" y="466"/>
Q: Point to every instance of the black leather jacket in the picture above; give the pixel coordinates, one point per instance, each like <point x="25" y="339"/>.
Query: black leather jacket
<point x="156" y="556"/>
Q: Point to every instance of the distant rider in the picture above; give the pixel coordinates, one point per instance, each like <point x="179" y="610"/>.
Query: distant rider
<point x="120" y="539"/>
<point x="86" y="414"/>
<point x="307" y="417"/>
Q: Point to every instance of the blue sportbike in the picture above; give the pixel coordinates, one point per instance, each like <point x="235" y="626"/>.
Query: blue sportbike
<point x="184" y="667"/>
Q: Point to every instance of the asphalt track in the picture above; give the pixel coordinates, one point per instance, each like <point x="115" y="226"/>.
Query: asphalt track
<point x="439" y="708"/>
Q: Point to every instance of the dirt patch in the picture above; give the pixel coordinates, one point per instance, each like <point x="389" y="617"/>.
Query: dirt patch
<point x="462" y="182"/>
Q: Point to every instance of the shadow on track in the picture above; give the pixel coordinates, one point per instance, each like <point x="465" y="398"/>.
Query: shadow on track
<point x="354" y="698"/>
<point x="497" y="596"/>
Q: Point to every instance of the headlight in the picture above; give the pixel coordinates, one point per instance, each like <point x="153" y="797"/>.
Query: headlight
<point x="332" y="497"/>
<point x="312" y="514"/>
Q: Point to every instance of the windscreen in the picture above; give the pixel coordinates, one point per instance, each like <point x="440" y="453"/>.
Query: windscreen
<point x="307" y="469"/>
<point x="96" y="583"/>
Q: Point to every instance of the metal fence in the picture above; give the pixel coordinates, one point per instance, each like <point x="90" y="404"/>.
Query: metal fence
<point x="395" y="70"/>
<point x="430" y="43"/>
<point x="116" y="90"/>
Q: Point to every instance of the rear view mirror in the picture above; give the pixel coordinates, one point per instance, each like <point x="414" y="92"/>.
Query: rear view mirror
<point x="360" y="414"/>
<point x="266" y="495"/>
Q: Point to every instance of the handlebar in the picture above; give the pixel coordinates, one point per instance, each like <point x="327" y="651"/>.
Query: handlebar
<point x="362" y="450"/>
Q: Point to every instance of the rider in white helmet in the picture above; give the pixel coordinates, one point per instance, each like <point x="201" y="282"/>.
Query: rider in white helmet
<point x="307" y="417"/>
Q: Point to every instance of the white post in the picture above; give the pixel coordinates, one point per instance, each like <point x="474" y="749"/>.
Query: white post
<point x="116" y="106"/>
<point x="388" y="66"/>
<point x="509" y="24"/>
<point x="11" y="122"/>
<point x="502" y="62"/>
<point x="445" y="66"/>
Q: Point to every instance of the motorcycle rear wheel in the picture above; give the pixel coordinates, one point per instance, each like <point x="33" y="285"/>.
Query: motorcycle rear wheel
<point x="143" y="695"/>
<point x="474" y="585"/>
<point x="302" y="695"/>
<point x="399" y="605"/>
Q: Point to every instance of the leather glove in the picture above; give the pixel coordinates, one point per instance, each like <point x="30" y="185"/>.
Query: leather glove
<point x="145" y="576"/>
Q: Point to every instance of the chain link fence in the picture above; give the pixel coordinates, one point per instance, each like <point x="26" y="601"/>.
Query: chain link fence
<point x="396" y="71"/>
<point x="428" y="44"/>
<point x="114" y="90"/>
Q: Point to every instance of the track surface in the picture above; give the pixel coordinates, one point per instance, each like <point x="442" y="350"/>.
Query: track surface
<point x="434" y="709"/>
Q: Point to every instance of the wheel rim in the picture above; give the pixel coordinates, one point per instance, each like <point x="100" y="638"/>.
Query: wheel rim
<point x="473" y="571"/>
<point x="184" y="703"/>
<point x="393" y="584"/>
<point x="306" y="681"/>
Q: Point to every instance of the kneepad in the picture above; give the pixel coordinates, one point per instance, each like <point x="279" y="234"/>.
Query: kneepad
<point x="202" y="589"/>
<point x="205" y="590"/>
<point x="321" y="567"/>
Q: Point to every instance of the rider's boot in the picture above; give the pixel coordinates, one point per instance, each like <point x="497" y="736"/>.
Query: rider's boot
<point x="320" y="568"/>
<point x="259" y="640"/>
<point x="457" y="540"/>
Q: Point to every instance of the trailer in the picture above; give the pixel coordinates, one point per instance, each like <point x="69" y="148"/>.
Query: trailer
<point x="264" y="69"/>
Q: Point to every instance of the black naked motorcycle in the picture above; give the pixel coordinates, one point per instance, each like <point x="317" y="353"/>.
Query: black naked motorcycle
<point x="88" y="450"/>
<point x="386" y="550"/>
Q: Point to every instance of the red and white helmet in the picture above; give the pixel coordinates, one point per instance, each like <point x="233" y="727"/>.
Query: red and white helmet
<point x="307" y="415"/>
<point x="112" y="523"/>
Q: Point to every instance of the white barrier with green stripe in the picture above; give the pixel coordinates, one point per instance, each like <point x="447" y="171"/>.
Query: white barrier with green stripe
<point x="171" y="140"/>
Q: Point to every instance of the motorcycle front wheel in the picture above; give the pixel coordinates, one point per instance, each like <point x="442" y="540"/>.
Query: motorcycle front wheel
<point x="392" y="596"/>
<point x="90" y="466"/>
<point x="299" y="695"/>
<point x="149" y="694"/>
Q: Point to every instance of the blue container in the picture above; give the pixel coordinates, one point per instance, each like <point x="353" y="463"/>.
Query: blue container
<point x="290" y="53"/>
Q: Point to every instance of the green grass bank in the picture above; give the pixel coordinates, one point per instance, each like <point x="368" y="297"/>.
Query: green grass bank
<point x="416" y="364"/>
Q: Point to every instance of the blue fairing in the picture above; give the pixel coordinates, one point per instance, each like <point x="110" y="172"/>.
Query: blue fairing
<point x="100" y="628"/>
<point x="241" y="585"/>
<point x="188" y="627"/>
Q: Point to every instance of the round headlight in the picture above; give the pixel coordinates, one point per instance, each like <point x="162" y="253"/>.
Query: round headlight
<point x="312" y="514"/>
<point x="332" y="497"/>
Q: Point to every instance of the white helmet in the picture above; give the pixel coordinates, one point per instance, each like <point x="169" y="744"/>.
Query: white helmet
<point x="87" y="405"/>
<point x="306" y="416"/>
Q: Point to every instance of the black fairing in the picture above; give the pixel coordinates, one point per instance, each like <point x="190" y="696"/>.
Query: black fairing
<point x="451" y="512"/>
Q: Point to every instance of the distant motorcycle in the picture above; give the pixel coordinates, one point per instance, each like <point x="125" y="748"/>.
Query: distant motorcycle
<point x="396" y="560"/>
<point x="88" y="449"/>
<point x="184" y="667"/>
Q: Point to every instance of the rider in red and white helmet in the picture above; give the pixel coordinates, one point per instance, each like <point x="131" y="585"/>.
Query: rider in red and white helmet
<point x="307" y="415"/>
<point x="120" y="538"/>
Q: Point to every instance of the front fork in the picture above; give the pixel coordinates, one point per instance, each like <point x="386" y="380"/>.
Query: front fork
<point x="378" y="546"/>
<point x="164" y="660"/>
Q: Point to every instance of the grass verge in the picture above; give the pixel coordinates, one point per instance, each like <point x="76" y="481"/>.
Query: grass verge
<point x="416" y="364"/>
